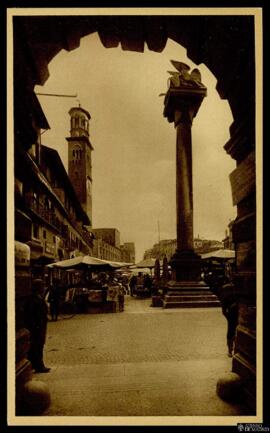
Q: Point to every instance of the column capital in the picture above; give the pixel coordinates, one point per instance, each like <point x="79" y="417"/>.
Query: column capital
<point x="182" y="104"/>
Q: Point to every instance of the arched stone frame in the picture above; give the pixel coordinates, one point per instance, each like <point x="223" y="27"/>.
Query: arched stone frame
<point x="225" y="44"/>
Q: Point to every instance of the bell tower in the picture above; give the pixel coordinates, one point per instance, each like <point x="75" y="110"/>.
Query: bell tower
<point x="80" y="157"/>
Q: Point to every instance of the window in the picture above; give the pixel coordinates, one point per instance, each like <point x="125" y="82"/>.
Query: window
<point x="77" y="153"/>
<point x="46" y="203"/>
<point x="44" y="234"/>
<point x="35" y="201"/>
<point x="35" y="231"/>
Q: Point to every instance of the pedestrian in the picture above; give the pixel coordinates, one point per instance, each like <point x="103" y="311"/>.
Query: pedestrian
<point x="36" y="318"/>
<point x="125" y="284"/>
<point x="121" y="297"/>
<point x="133" y="284"/>
<point x="147" y="284"/>
<point x="54" y="299"/>
<point x="229" y="304"/>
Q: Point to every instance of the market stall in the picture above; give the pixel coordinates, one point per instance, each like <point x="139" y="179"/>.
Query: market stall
<point x="90" y="285"/>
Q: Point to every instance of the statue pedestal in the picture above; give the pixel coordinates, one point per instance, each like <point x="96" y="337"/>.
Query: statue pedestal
<point x="186" y="289"/>
<point x="186" y="266"/>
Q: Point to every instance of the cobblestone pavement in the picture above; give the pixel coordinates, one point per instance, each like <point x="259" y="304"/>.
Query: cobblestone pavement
<point x="140" y="333"/>
<point x="144" y="361"/>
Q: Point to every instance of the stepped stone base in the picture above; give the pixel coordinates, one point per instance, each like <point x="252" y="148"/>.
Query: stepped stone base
<point x="189" y="294"/>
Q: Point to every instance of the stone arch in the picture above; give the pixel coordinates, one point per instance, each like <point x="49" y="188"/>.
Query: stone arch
<point x="225" y="44"/>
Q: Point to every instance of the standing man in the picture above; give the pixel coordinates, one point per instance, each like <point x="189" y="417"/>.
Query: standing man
<point x="54" y="299"/>
<point x="121" y="297"/>
<point x="133" y="285"/>
<point x="229" y="304"/>
<point x="147" y="284"/>
<point x="36" y="317"/>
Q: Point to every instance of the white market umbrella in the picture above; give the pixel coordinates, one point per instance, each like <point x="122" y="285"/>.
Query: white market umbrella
<point x="85" y="260"/>
<point x="219" y="254"/>
<point x="147" y="263"/>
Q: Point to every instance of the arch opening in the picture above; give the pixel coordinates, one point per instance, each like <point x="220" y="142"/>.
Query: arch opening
<point x="226" y="45"/>
<point x="128" y="125"/>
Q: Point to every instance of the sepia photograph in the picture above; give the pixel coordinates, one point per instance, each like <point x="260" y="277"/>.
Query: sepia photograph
<point x="134" y="185"/>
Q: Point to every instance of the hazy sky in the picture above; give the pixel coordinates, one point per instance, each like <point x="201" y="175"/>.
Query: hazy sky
<point x="134" y="145"/>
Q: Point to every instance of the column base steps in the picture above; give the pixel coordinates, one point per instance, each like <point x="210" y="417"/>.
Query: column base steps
<point x="191" y="304"/>
<point x="190" y="297"/>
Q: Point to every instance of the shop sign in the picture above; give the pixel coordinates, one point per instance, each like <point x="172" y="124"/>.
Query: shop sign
<point x="22" y="254"/>
<point x="94" y="296"/>
<point x="49" y="248"/>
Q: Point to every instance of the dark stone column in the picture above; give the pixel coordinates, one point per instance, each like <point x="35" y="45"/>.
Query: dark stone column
<point x="184" y="192"/>
<point x="181" y="106"/>
<point x="185" y="262"/>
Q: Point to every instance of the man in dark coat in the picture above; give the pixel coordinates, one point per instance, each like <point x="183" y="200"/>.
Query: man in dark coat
<point x="35" y="318"/>
<point x="54" y="298"/>
<point x="229" y="304"/>
<point x="147" y="283"/>
<point x="133" y="284"/>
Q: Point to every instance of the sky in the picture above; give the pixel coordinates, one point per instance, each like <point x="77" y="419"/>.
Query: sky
<point x="133" y="162"/>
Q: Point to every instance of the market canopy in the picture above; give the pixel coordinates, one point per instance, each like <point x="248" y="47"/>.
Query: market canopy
<point x="79" y="261"/>
<point x="137" y="271"/>
<point x="219" y="254"/>
<point x="147" y="263"/>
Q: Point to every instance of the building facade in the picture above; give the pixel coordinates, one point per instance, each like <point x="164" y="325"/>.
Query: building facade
<point x="109" y="235"/>
<point x="106" y="244"/>
<point x="57" y="227"/>
<point x="104" y="250"/>
<point x="166" y="248"/>
<point x="228" y="240"/>
<point x="48" y="215"/>
<point x="128" y="252"/>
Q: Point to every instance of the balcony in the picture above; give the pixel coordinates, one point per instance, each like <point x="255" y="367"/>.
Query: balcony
<point x="84" y="234"/>
<point x="49" y="217"/>
<point x="46" y="214"/>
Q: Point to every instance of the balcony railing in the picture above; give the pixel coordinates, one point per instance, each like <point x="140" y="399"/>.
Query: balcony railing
<point x="44" y="213"/>
<point x="50" y="217"/>
<point x="85" y="235"/>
